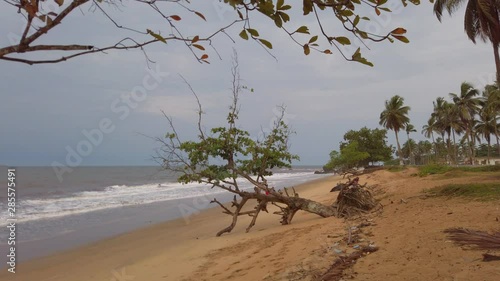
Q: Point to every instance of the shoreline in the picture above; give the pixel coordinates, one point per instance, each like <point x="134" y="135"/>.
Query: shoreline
<point x="112" y="223"/>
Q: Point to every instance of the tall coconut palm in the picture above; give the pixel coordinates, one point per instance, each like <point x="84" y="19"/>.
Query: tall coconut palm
<point x="482" y="20"/>
<point x="395" y="117"/>
<point x="409" y="128"/>
<point x="467" y="106"/>
<point x="485" y="127"/>
<point x="491" y="103"/>
<point x="428" y="131"/>
<point x="445" y="122"/>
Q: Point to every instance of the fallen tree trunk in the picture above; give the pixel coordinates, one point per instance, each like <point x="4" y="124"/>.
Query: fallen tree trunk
<point x="353" y="198"/>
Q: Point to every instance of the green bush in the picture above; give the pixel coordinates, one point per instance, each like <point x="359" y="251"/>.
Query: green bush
<point x="392" y="162"/>
<point x="396" y="168"/>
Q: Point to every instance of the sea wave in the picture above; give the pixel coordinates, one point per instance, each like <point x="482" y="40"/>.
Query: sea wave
<point x="116" y="196"/>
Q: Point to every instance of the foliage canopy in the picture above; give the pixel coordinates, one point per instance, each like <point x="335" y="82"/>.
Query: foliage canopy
<point x="41" y="16"/>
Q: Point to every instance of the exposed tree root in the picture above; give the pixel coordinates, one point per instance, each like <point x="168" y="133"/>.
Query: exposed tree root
<point x="336" y="270"/>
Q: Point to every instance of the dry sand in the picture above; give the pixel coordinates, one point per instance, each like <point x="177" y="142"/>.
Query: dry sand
<point x="412" y="244"/>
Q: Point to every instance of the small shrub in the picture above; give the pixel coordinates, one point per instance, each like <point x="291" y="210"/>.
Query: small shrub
<point x="396" y="168"/>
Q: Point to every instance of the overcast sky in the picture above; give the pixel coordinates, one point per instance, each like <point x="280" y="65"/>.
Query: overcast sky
<point x="46" y="108"/>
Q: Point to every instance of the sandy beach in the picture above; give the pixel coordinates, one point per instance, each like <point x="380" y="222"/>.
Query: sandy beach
<point x="408" y="231"/>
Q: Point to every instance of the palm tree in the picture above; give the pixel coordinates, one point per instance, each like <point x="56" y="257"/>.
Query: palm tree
<point x="444" y="113"/>
<point x="409" y="129"/>
<point x="395" y="117"/>
<point x="491" y="100"/>
<point x="467" y="106"/>
<point x="486" y="127"/>
<point x="428" y="131"/>
<point x="482" y="20"/>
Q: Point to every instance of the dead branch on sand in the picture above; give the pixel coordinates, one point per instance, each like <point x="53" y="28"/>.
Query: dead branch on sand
<point x="335" y="272"/>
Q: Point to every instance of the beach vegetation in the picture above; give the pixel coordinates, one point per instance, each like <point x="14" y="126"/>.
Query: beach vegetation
<point x="349" y="157"/>
<point x="480" y="191"/>
<point x="395" y="117"/>
<point x="223" y="157"/>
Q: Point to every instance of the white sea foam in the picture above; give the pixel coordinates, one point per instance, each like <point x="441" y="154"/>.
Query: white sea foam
<point x="122" y="195"/>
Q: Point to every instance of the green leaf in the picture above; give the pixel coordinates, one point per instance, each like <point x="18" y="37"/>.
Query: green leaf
<point x="313" y="39"/>
<point x="279" y="4"/>
<point x="357" y="53"/>
<point x="266" y="43"/>
<point x="364" y="61"/>
<point x="307" y="7"/>
<point x="240" y="14"/>
<point x="346" y="13"/>
<point x="253" y="32"/>
<point x="363" y="34"/>
<point x="244" y="35"/>
<point x="278" y="21"/>
<point x="284" y="16"/>
<point x="156" y="36"/>
<point x="342" y="40"/>
<point x="307" y="50"/>
<point x="286" y="7"/>
<point x="385" y="9"/>
<point x="266" y="7"/>
<point x="303" y="29"/>
<point x="356" y="20"/>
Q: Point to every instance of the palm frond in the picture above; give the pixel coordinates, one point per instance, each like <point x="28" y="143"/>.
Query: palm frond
<point x="475" y="238"/>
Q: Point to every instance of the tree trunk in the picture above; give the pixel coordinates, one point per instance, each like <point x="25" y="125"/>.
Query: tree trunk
<point x="489" y="140"/>
<point x="496" y="135"/>
<point x="435" y="147"/>
<point x="450" y="153"/>
<point x="312" y="207"/>
<point x="400" y="154"/>
<point x="470" y="139"/>
<point x="497" y="62"/>
<point x="409" y="148"/>
<point x="455" y="149"/>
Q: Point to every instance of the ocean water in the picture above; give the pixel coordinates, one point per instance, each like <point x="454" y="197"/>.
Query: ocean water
<point x="96" y="202"/>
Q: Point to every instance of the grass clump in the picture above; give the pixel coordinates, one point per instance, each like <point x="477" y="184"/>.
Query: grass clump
<point x="479" y="169"/>
<point x="480" y="191"/>
<point x="433" y="169"/>
<point x="396" y="168"/>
